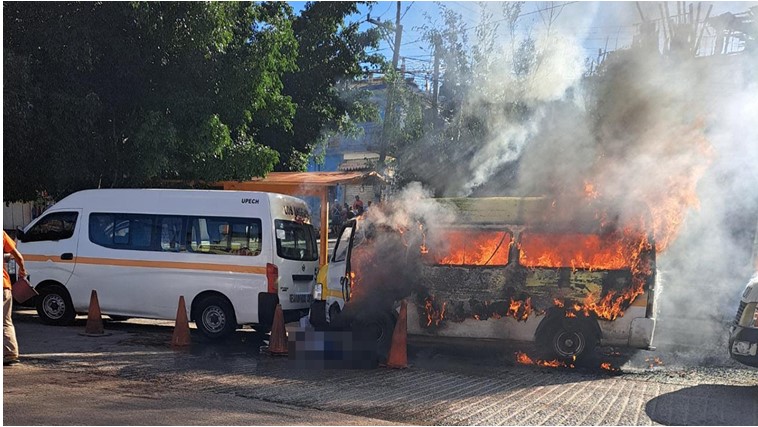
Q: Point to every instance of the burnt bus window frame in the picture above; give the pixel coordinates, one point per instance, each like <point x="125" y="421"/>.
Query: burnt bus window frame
<point x="309" y="240"/>
<point x="505" y="247"/>
<point x="68" y="227"/>
<point x="173" y="233"/>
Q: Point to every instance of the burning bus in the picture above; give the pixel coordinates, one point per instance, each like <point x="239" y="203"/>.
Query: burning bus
<point x="515" y="268"/>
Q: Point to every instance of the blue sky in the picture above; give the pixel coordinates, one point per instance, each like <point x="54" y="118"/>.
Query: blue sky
<point x="597" y="25"/>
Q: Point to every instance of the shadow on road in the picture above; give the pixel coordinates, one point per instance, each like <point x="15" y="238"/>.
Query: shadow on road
<point x="740" y="406"/>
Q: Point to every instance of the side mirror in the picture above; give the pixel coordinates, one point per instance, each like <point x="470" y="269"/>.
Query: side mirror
<point x="20" y="235"/>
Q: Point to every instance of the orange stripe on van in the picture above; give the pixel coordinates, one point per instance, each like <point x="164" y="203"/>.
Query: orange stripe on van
<point x="152" y="264"/>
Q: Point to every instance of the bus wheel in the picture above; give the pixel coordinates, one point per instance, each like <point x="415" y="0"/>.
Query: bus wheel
<point x="214" y="317"/>
<point x="566" y="340"/>
<point x="54" y="306"/>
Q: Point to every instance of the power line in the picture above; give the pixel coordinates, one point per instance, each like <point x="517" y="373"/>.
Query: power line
<point x="406" y="10"/>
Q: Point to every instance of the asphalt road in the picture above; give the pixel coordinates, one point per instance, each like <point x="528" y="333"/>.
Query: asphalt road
<point x="133" y="377"/>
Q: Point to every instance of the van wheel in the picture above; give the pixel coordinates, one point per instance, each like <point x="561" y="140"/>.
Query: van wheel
<point x="567" y="341"/>
<point x="378" y="327"/>
<point x="214" y="317"/>
<point x="54" y="306"/>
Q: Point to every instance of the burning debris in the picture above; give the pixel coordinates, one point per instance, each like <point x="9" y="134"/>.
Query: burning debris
<point x="524" y="359"/>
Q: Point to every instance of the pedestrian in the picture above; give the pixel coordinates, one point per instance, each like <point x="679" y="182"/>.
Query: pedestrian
<point x="10" y="345"/>
<point x="358" y="205"/>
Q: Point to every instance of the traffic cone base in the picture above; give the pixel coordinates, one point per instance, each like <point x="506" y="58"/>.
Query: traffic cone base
<point x="94" y="327"/>
<point x="277" y="345"/>
<point x="398" y="355"/>
<point x="181" y="336"/>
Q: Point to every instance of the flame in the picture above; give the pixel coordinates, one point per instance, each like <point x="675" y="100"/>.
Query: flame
<point x="433" y="314"/>
<point x="608" y="367"/>
<point x="524" y="359"/>
<point x="475" y="248"/>
<point x="520" y="310"/>
<point x="558" y="303"/>
<point x="581" y="251"/>
<point x="424" y="248"/>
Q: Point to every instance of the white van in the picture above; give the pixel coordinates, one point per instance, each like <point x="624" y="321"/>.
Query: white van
<point x="233" y="255"/>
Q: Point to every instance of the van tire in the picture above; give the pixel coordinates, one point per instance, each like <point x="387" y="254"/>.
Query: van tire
<point x="54" y="306"/>
<point x="377" y="326"/>
<point x="214" y="317"/>
<point x="567" y="340"/>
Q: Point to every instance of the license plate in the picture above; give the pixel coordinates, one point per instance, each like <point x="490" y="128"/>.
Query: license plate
<point x="298" y="298"/>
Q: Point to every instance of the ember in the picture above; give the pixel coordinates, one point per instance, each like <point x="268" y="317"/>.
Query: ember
<point x="608" y="367"/>
<point x="524" y="359"/>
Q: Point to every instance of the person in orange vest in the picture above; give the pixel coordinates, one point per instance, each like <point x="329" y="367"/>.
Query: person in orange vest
<point x="10" y="345"/>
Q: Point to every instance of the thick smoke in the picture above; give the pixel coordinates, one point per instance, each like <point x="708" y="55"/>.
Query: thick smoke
<point x="665" y="138"/>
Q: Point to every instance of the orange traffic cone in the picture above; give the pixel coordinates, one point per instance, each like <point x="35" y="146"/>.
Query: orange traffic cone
<point x="181" y="337"/>
<point x="398" y="355"/>
<point x="94" y="327"/>
<point x="277" y="345"/>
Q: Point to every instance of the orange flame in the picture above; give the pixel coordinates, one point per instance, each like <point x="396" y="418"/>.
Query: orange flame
<point x="524" y="359"/>
<point x="476" y="248"/>
<point x="434" y="315"/>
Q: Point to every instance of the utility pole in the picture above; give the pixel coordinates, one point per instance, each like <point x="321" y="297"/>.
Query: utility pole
<point x="435" y="81"/>
<point x="391" y="89"/>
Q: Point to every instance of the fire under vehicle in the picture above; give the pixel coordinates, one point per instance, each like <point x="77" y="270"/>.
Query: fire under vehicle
<point x="514" y="268"/>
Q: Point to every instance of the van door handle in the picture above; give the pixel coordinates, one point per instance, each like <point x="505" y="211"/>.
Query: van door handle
<point x="68" y="256"/>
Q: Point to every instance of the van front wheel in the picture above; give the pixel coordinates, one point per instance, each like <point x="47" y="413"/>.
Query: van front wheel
<point x="54" y="306"/>
<point x="214" y="317"/>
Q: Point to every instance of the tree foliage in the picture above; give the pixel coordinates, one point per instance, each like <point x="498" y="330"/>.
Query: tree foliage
<point x="120" y="94"/>
<point x="332" y="51"/>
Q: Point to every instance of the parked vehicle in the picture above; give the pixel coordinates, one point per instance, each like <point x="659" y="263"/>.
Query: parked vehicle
<point x="743" y="334"/>
<point x="233" y="256"/>
<point x="501" y="271"/>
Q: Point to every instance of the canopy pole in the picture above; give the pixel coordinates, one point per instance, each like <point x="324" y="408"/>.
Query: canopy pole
<point x="324" y="247"/>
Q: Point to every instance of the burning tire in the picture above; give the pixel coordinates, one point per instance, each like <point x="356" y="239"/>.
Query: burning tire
<point x="567" y="339"/>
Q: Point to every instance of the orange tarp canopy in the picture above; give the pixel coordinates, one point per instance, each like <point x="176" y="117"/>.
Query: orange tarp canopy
<point x="302" y="183"/>
<point x="306" y="184"/>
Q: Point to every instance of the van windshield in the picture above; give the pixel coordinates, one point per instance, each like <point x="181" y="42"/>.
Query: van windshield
<point x="295" y="241"/>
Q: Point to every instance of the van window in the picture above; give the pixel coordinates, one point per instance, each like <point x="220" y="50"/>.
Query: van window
<point x="340" y="249"/>
<point x="225" y="236"/>
<point x="295" y="241"/>
<point x="171" y="234"/>
<point x="575" y="250"/>
<point x="53" y="226"/>
<point x="122" y="231"/>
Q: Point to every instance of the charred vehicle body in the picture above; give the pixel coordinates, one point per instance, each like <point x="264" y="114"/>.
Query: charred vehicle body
<point x="507" y="268"/>
<point x="743" y="334"/>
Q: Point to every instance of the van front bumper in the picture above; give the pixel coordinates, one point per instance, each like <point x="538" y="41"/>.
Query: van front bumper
<point x="743" y="345"/>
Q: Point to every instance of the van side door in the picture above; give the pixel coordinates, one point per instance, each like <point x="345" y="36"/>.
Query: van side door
<point x="49" y="246"/>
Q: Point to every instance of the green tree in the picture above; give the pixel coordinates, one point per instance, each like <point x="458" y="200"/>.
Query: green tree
<point x="119" y="94"/>
<point x="331" y="53"/>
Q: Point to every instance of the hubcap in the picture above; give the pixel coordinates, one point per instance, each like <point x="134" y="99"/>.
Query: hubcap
<point x="54" y="306"/>
<point x="214" y="319"/>
<point x="568" y="343"/>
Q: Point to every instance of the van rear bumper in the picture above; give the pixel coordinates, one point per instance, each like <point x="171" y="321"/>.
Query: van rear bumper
<point x="267" y="307"/>
<point x="743" y="345"/>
